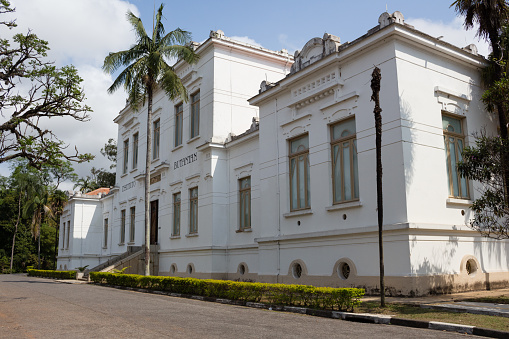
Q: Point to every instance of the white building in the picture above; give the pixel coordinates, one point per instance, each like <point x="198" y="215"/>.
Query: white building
<point x="293" y="198"/>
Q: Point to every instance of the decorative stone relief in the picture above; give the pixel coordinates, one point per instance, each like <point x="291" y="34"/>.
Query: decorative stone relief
<point x="314" y="50"/>
<point x="452" y="101"/>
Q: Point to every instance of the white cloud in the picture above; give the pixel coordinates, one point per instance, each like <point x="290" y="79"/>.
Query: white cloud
<point x="452" y="32"/>
<point x="246" y="39"/>
<point x="82" y="33"/>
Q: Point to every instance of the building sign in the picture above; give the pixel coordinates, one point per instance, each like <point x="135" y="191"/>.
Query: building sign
<point x="155" y="178"/>
<point x="128" y="186"/>
<point x="184" y="161"/>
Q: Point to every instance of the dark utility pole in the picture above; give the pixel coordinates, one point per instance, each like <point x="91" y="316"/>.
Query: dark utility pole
<point x="376" y="78"/>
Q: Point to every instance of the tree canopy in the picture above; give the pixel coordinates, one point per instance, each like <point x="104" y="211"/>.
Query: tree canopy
<point x="33" y="88"/>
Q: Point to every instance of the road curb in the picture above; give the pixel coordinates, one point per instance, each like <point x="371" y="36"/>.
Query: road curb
<point x="356" y="317"/>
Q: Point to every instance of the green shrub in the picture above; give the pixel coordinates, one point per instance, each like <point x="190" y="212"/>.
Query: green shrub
<point x="52" y="274"/>
<point x="274" y="294"/>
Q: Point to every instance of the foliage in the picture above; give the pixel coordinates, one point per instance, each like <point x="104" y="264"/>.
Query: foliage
<point x="110" y="151"/>
<point x="121" y="271"/>
<point x="274" y="294"/>
<point x="82" y="268"/>
<point x="32" y="89"/>
<point x="52" y="274"/>
<point x="482" y="163"/>
<point x="28" y="195"/>
<point x="146" y="70"/>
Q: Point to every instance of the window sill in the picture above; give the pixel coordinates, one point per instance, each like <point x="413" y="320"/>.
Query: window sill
<point x="130" y="243"/>
<point x="105" y="248"/>
<point x="133" y="170"/>
<point x="298" y="213"/>
<point x="193" y="139"/>
<point x="344" y="205"/>
<point x="154" y="160"/>
<point x="121" y="244"/>
<point x="175" y="237"/>
<point x="457" y="201"/>
<point x="190" y="235"/>
<point x="124" y="175"/>
<point x="177" y="147"/>
<point x="242" y="230"/>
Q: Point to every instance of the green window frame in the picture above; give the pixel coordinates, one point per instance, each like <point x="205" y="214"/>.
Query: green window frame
<point x="245" y="203"/>
<point x="176" y="214"/>
<point x="136" y="140"/>
<point x="155" y="139"/>
<point x="179" y="112"/>
<point x="122" y="227"/>
<point x="454" y="142"/>
<point x="132" y="224"/>
<point x="345" y="175"/>
<point x="126" y="156"/>
<point x="195" y="115"/>
<point x="300" y="193"/>
<point x="193" y="210"/>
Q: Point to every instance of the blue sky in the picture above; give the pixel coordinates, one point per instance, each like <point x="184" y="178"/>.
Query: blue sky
<point x="82" y="32"/>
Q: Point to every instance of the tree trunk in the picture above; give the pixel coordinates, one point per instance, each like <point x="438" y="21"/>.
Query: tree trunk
<point x="39" y="251"/>
<point x="16" y="229"/>
<point x="147" y="181"/>
<point x="375" y="86"/>
<point x="57" y="228"/>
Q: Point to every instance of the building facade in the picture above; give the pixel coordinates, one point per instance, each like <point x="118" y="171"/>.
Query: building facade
<point x="284" y="189"/>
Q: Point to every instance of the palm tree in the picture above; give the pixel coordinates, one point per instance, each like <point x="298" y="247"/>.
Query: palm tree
<point x="491" y="16"/>
<point x="26" y="184"/>
<point x="57" y="201"/>
<point x="145" y="71"/>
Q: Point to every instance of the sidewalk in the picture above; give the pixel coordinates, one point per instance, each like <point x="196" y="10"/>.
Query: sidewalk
<point x="455" y="302"/>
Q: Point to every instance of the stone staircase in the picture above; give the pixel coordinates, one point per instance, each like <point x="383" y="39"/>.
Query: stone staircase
<point x="133" y="261"/>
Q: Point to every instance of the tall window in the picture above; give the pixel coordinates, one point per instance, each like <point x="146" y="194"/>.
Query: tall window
<point x="193" y="210"/>
<point x="245" y="203"/>
<point x="155" y="139"/>
<point x="122" y="227"/>
<point x="299" y="173"/>
<point x="136" y="138"/>
<point x="63" y="235"/>
<point x="454" y="140"/>
<point x="176" y="215"/>
<point x="105" y="244"/>
<point x="126" y="155"/>
<point x="179" y="109"/>
<point x="68" y="233"/>
<point x="132" y="223"/>
<point x="195" y="115"/>
<point x="345" y="178"/>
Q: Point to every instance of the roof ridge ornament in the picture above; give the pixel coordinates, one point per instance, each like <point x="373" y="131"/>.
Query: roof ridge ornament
<point x="386" y="19"/>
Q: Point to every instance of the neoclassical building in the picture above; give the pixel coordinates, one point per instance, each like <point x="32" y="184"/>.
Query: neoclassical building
<point x="276" y="182"/>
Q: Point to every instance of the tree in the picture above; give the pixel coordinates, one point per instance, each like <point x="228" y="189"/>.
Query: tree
<point x="26" y="183"/>
<point x="32" y="89"/>
<point x="110" y="151"/>
<point x="491" y="16"/>
<point x="488" y="161"/>
<point x="146" y="70"/>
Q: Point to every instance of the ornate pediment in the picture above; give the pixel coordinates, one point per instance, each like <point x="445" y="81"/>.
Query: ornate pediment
<point x="314" y="50"/>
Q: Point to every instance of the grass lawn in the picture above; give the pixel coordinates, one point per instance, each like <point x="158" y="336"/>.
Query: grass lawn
<point x="418" y="313"/>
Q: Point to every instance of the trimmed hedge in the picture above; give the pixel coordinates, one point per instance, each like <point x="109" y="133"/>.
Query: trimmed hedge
<point x="52" y="274"/>
<point x="274" y="294"/>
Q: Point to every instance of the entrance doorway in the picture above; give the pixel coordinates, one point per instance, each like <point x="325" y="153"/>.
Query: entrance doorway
<point x="154" y="217"/>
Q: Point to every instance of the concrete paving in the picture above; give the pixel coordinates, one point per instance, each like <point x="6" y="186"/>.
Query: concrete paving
<point x="42" y="308"/>
<point x="456" y="302"/>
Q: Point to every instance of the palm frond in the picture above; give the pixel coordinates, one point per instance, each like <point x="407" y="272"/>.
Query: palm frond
<point x="137" y="24"/>
<point x="159" y="27"/>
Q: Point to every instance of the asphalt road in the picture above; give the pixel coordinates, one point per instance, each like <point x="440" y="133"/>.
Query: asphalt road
<point x="43" y="308"/>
